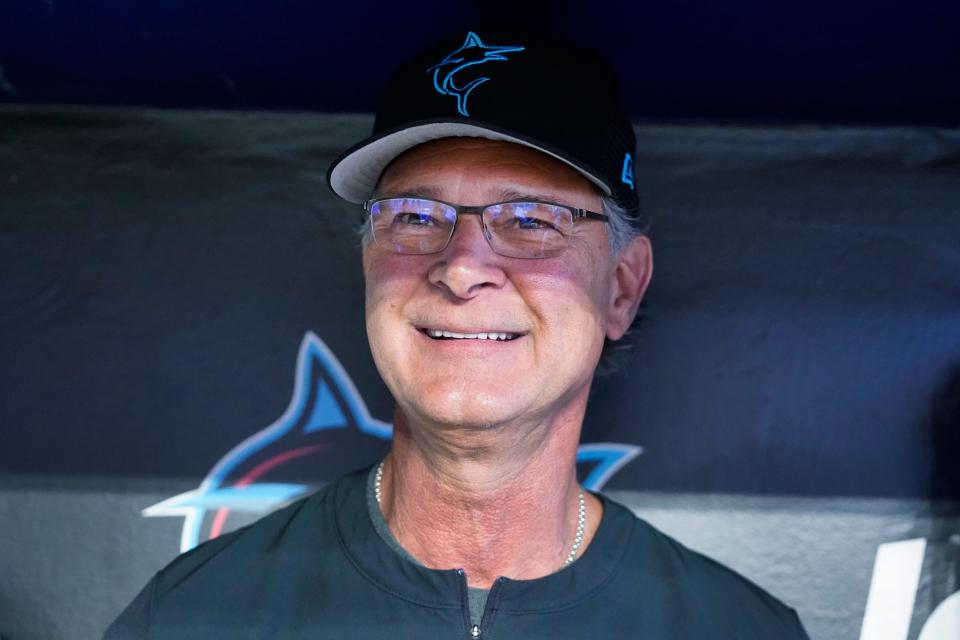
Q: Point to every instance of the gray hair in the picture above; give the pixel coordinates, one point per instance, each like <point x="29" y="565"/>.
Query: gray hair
<point x="620" y="229"/>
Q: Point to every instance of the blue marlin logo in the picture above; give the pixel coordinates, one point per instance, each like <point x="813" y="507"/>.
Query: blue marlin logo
<point x="472" y="52"/>
<point x="326" y="411"/>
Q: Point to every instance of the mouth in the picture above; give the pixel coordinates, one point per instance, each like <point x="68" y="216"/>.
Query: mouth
<point x="444" y="334"/>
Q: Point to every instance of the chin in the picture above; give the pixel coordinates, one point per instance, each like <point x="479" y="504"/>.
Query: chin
<point x="479" y="411"/>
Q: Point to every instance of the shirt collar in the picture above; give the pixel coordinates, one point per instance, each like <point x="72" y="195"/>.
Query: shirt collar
<point x="392" y="572"/>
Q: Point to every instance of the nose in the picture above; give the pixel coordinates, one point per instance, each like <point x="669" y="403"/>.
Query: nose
<point x="468" y="265"/>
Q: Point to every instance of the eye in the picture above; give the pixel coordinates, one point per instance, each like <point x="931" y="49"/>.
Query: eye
<point x="413" y="219"/>
<point x="532" y="223"/>
<point x="526" y="221"/>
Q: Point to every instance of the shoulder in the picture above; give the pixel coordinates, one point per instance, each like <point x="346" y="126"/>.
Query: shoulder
<point x="304" y="526"/>
<point x="234" y="567"/>
<point x="701" y="588"/>
<point x="233" y="552"/>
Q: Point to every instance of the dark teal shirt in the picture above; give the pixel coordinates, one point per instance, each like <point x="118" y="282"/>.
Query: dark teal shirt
<point x="318" y="569"/>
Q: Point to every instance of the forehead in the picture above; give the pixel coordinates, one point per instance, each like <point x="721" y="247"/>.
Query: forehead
<point x="490" y="170"/>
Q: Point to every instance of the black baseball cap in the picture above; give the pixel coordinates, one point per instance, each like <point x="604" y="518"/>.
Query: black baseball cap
<point x="530" y="89"/>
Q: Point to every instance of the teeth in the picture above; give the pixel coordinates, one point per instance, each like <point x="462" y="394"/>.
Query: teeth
<point x="487" y="335"/>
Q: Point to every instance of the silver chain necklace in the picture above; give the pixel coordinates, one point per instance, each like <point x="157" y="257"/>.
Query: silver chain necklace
<point x="577" y="536"/>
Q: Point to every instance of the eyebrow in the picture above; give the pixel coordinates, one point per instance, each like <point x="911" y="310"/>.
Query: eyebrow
<point x="418" y="191"/>
<point x="514" y="194"/>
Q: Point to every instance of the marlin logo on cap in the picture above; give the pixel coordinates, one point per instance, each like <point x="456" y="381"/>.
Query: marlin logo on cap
<point x="472" y="52"/>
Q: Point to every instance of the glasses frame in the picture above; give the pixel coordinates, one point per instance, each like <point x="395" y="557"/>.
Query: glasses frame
<point x="477" y="210"/>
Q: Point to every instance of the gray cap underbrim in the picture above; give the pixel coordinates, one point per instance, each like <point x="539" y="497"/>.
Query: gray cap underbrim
<point x="355" y="175"/>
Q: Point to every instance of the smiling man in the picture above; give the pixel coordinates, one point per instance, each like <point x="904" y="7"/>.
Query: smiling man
<point x="502" y="252"/>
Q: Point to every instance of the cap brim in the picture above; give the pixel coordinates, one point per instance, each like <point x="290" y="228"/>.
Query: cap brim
<point x="354" y="175"/>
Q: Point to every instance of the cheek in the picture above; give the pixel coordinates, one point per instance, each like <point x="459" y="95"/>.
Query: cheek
<point x="572" y="308"/>
<point x="382" y="328"/>
<point x="384" y="278"/>
<point x="391" y="281"/>
<point x="377" y="298"/>
<point x="593" y="269"/>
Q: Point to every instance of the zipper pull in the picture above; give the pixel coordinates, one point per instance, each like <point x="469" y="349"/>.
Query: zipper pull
<point x="475" y="632"/>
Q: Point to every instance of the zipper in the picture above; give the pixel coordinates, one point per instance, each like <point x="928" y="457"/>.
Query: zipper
<point x="486" y="618"/>
<point x="475" y="631"/>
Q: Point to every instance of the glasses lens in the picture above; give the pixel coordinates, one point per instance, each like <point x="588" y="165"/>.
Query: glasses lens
<point x="528" y="229"/>
<point x="411" y="225"/>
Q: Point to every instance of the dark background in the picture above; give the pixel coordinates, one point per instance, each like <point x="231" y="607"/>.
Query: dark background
<point x="858" y="62"/>
<point x="801" y="334"/>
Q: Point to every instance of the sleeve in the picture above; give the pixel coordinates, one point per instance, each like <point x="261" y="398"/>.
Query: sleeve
<point x="134" y="622"/>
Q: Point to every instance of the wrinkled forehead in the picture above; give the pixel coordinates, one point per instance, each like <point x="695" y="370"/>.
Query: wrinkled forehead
<point x="491" y="170"/>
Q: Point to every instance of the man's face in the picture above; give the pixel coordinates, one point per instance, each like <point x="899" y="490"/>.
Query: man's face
<point x="559" y="309"/>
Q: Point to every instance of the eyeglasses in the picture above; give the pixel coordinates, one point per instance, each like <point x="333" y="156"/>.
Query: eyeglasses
<point x="516" y="229"/>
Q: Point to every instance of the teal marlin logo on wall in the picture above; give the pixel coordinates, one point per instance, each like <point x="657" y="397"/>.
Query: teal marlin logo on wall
<point x="326" y="422"/>
<point x="473" y="52"/>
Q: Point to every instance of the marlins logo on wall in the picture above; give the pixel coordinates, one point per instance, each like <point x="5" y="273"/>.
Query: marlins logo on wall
<point x="326" y="417"/>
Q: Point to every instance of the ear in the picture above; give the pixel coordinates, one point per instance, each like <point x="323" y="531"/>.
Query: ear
<point x="631" y="275"/>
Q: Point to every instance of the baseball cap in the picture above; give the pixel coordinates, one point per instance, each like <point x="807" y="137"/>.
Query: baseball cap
<point x="530" y="89"/>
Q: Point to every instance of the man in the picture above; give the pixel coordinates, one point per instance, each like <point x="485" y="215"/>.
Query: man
<point x="502" y="252"/>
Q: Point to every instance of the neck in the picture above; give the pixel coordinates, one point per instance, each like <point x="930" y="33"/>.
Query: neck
<point x="502" y="501"/>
